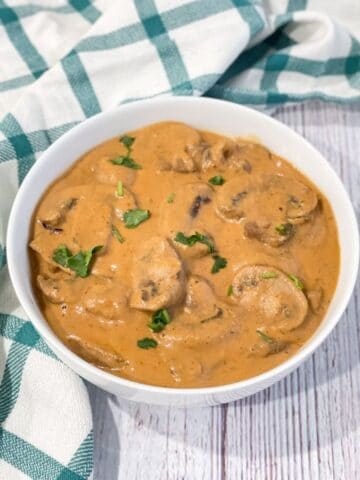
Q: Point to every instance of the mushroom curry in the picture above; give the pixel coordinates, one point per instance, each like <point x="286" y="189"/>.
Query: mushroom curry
<point x="182" y="258"/>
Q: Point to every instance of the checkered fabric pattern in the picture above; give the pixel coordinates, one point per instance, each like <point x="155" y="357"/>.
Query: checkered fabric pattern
<point x="62" y="61"/>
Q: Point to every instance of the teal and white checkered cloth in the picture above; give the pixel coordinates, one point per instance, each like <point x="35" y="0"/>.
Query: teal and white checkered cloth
<point x="62" y="61"/>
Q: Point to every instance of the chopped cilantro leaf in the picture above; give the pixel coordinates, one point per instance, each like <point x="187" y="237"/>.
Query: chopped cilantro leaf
<point x="120" y="189"/>
<point x="133" y="218"/>
<point x="147" y="343"/>
<point x="159" y="320"/>
<point x="268" y="275"/>
<point x="127" y="141"/>
<point x="116" y="234"/>
<point x="219" y="263"/>
<point x="264" y="337"/>
<point x="217" y="180"/>
<point x="61" y="255"/>
<point x="284" y="228"/>
<point x="171" y="198"/>
<point x="126" y="161"/>
<point x="78" y="263"/>
<point x="195" y="238"/>
<point x="298" y="283"/>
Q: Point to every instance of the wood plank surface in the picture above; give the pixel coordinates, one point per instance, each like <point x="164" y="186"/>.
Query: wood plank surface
<point x="306" y="427"/>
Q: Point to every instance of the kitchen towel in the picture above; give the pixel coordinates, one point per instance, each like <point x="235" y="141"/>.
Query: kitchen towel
<point x="62" y="61"/>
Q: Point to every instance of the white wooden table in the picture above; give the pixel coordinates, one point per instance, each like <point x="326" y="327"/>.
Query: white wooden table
<point x="305" y="427"/>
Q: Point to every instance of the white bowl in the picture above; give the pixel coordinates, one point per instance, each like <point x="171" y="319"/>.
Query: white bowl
<point x="218" y="116"/>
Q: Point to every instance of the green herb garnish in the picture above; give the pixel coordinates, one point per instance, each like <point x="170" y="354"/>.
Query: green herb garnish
<point x="61" y="255"/>
<point x="268" y="275"/>
<point x="159" y="320"/>
<point x="126" y="160"/>
<point x="147" y="343"/>
<point x="120" y="189"/>
<point x="79" y="263"/>
<point x="171" y="198"/>
<point x="116" y="234"/>
<point x="265" y="337"/>
<point x="217" y="180"/>
<point x="195" y="238"/>
<point x="284" y="228"/>
<point x="298" y="283"/>
<point x="230" y="291"/>
<point x="219" y="263"/>
<point x="127" y="141"/>
<point x="133" y="218"/>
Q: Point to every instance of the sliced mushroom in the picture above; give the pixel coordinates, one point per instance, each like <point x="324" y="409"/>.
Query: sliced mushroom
<point x="230" y="155"/>
<point x="82" y="227"/>
<point x="176" y="155"/>
<point x="235" y="198"/>
<point x="222" y="155"/>
<point x="274" y="223"/>
<point x="314" y="232"/>
<point x="103" y="358"/>
<point x="107" y="172"/>
<point x="299" y="199"/>
<point x="265" y="345"/>
<point x="55" y="215"/>
<point x="270" y="297"/>
<point x="58" y="291"/>
<point x="204" y="319"/>
<point x="266" y="232"/>
<point x="106" y="301"/>
<point x="200" y="155"/>
<point x="158" y="277"/>
<point x="252" y="152"/>
<point x="95" y="225"/>
<point x="196" y="200"/>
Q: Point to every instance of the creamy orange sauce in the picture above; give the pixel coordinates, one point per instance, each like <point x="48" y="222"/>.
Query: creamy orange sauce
<point x="275" y="230"/>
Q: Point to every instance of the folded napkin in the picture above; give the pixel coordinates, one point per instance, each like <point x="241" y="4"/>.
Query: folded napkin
<point x="63" y="61"/>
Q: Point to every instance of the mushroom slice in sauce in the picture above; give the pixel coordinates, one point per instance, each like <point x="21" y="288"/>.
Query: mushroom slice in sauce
<point x="101" y="357"/>
<point x="252" y="151"/>
<point x="58" y="291"/>
<point x="299" y="200"/>
<point x="86" y="224"/>
<point x="267" y="232"/>
<point x="234" y="199"/>
<point x="263" y="347"/>
<point x="188" y="211"/>
<point x="266" y="205"/>
<point x="225" y="155"/>
<point x="158" y="277"/>
<point x="107" y="172"/>
<point x="55" y="215"/>
<point x="229" y="155"/>
<point x="175" y="155"/>
<point x="204" y="319"/>
<point x="270" y="297"/>
<point x="106" y="301"/>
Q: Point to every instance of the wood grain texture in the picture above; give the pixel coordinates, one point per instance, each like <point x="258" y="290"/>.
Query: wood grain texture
<point x="304" y="427"/>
